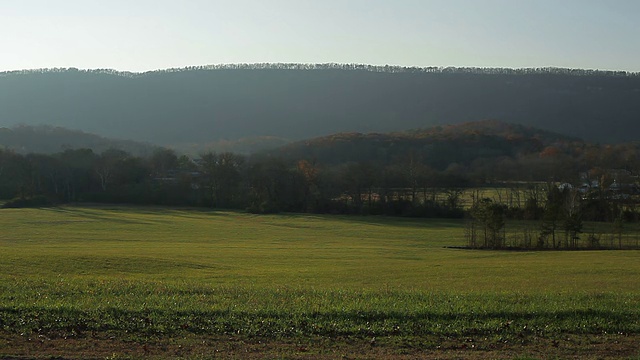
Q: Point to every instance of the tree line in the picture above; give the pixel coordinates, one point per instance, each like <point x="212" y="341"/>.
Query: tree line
<point x="268" y="183"/>
<point x="261" y="183"/>
<point x="346" y="67"/>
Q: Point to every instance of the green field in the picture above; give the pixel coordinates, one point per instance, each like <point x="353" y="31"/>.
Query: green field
<point x="146" y="275"/>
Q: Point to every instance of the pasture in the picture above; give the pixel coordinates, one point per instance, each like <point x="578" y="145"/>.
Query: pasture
<point x="174" y="282"/>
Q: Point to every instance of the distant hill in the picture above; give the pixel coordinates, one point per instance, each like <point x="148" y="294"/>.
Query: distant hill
<point x="49" y="140"/>
<point x="483" y="151"/>
<point x="292" y="101"/>
<point x="437" y="146"/>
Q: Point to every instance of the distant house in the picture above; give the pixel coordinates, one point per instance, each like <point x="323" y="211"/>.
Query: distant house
<point x="615" y="186"/>
<point x="565" y="186"/>
<point x="623" y="186"/>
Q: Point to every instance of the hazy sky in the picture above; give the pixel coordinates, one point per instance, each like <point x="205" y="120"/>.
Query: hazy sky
<point x="140" y="35"/>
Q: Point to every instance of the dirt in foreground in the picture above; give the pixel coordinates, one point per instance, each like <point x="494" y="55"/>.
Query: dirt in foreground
<point x="104" y="347"/>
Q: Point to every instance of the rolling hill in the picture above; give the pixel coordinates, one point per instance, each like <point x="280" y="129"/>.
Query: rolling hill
<point x="48" y="140"/>
<point x="438" y="146"/>
<point x="490" y="150"/>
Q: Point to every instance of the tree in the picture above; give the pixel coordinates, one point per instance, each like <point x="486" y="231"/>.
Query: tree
<point x="310" y="174"/>
<point x="106" y="165"/>
<point x="532" y="208"/>
<point x="618" y="227"/>
<point x="274" y="187"/>
<point x="46" y="172"/>
<point x="220" y="177"/>
<point x="551" y="216"/>
<point x="453" y="198"/>
<point x="163" y="161"/>
<point x="78" y="174"/>
<point x="572" y="217"/>
<point x="359" y="179"/>
<point x="490" y="218"/>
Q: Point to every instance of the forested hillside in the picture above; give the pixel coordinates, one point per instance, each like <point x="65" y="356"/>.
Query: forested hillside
<point x="206" y="104"/>
<point x="479" y="151"/>
<point x="438" y="146"/>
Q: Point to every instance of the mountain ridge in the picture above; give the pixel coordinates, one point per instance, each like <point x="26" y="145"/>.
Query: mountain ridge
<point x="298" y="101"/>
<point x="339" y="66"/>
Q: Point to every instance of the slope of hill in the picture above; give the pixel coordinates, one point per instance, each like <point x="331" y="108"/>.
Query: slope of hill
<point x="49" y="140"/>
<point x="201" y="105"/>
<point x="437" y="147"/>
<point x="480" y="151"/>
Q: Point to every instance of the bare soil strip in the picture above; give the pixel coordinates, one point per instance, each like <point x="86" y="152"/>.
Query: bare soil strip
<point x="100" y="346"/>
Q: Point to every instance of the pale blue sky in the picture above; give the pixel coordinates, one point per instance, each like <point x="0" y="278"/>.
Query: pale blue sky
<point x="139" y="35"/>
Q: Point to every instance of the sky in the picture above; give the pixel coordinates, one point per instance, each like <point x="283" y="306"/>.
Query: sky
<point x="142" y="35"/>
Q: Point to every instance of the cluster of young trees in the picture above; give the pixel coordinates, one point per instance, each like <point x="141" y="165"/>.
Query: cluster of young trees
<point x="561" y="213"/>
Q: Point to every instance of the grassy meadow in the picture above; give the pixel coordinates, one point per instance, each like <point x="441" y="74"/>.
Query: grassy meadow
<point x="141" y="273"/>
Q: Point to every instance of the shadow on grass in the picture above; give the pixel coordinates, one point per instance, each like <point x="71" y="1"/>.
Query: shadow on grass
<point x="92" y="215"/>
<point x="379" y="220"/>
<point x="113" y="213"/>
<point x="89" y="211"/>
